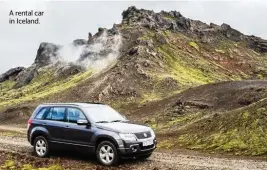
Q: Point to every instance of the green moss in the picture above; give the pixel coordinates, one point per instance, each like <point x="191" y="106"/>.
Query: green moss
<point x="7" y="85"/>
<point x="165" y="144"/>
<point x="11" y="134"/>
<point x="157" y="91"/>
<point x="259" y="76"/>
<point x="183" y="119"/>
<point x="256" y="53"/>
<point x="185" y="70"/>
<point x="9" y="164"/>
<point x="160" y="126"/>
<point x="243" y="75"/>
<point x="43" y="85"/>
<point x="245" y="134"/>
<point x="27" y="167"/>
<point x="148" y="97"/>
<point x="245" y="115"/>
<point x="220" y="51"/>
<point x="55" y="167"/>
<point x="195" y="45"/>
<point x="224" y="45"/>
<point x="168" y="17"/>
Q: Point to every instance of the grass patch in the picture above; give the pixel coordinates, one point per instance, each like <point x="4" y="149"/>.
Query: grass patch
<point x="242" y="132"/>
<point x="194" y="45"/>
<point x="165" y="144"/>
<point x="6" y="85"/>
<point x="186" y="70"/>
<point x="11" y="134"/>
<point x="41" y="86"/>
<point x="9" y="164"/>
<point x="220" y="51"/>
<point x="12" y="165"/>
<point x="159" y="125"/>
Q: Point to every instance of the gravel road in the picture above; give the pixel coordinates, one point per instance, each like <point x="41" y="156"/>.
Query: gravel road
<point x="159" y="160"/>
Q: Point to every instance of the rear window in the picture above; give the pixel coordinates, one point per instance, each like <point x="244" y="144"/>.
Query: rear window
<point x="56" y="113"/>
<point x="41" y="113"/>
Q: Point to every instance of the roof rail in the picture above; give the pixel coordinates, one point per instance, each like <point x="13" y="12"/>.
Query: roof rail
<point x="60" y="104"/>
<point x="92" y="102"/>
<point x="76" y="104"/>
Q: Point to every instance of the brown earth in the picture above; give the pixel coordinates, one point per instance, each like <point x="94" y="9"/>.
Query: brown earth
<point x="16" y="151"/>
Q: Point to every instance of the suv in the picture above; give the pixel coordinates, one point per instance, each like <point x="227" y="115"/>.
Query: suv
<point x="93" y="126"/>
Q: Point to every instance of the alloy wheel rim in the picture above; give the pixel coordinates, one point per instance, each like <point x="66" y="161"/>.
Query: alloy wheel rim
<point x="106" y="154"/>
<point x="40" y="147"/>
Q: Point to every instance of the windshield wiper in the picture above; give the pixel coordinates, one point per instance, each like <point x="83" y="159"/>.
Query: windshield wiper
<point x="103" y="122"/>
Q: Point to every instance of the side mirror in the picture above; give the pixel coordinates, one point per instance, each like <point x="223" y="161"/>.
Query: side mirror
<point x="82" y="122"/>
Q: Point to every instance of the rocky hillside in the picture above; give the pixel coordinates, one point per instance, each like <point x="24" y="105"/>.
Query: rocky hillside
<point x="151" y="65"/>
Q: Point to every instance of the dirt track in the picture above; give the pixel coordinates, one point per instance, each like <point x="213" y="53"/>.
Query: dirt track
<point x="159" y="160"/>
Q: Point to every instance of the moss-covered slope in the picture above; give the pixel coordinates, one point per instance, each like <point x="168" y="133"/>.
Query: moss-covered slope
<point x="241" y="131"/>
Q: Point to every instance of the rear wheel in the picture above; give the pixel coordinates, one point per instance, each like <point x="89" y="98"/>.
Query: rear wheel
<point x="107" y="154"/>
<point x="41" y="147"/>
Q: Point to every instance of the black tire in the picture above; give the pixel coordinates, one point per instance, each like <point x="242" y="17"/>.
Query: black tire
<point x="106" y="145"/>
<point x="37" y="143"/>
<point x="144" y="157"/>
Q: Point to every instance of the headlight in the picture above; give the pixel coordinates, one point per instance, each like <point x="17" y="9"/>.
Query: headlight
<point x="127" y="136"/>
<point x="152" y="133"/>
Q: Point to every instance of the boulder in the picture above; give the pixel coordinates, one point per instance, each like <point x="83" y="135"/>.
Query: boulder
<point x="100" y="32"/>
<point x="231" y="33"/>
<point x="26" y="76"/>
<point x="46" y="54"/>
<point x="11" y="74"/>
<point x="133" y="51"/>
<point x="69" y="69"/>
<point x="114" y="30"/>
<point x="79" y="42"/>
<point x="257" y="44"/>
<point x="161" y="39"/>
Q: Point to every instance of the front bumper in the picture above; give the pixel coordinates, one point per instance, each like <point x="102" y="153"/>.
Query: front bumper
<point x="136" y="148"/>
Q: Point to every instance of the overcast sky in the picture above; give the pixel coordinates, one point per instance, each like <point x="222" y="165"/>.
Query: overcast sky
<point x="65" y="21"/>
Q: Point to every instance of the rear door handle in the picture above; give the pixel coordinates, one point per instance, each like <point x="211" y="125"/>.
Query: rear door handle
<point x="67" y="126"/>
<point x="44" y="123"/>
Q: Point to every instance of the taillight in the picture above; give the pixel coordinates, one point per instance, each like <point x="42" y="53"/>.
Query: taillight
<point x="29" y="123"/>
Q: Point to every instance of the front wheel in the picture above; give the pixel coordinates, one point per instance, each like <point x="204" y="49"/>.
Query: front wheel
<point x="107" y="154"/>
<point x="41" y="146"/>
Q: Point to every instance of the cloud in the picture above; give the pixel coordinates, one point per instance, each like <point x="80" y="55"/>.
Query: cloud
<point x="97" y="55"/>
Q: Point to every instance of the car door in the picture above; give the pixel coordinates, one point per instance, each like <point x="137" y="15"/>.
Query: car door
<point x="77" y="134"/>
<point x="55" y="123"/>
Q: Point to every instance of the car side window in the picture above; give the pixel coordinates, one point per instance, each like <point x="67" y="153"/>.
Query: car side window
<point x="41" y="113"/>
<point x="56" y="113"/>
<point x="74" y="114"/>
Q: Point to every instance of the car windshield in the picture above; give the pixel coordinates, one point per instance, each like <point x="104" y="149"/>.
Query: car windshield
<point x="103" y="114"/>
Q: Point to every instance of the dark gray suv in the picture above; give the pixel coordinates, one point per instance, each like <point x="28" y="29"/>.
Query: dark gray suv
<point x="93" y="126"/>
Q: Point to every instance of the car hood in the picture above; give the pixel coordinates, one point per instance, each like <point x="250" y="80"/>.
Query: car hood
<point x="123" y="127"/>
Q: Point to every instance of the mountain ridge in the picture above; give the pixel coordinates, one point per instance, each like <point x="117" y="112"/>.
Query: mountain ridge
<point x="162" y="20"/>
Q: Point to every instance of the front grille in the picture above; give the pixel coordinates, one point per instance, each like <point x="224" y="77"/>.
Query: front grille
<point x="143" y="135"/>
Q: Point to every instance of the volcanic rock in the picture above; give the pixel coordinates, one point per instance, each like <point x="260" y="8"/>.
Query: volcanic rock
<point x="11" y="74"/>
<point x="46" y="54"/>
